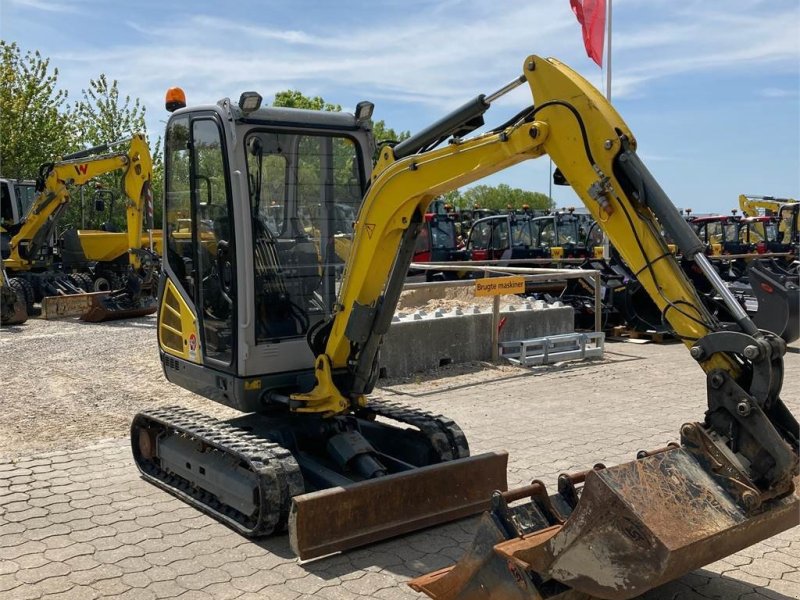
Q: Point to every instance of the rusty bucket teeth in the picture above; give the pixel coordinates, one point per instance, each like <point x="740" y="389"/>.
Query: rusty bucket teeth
<point x="635" y="526"/>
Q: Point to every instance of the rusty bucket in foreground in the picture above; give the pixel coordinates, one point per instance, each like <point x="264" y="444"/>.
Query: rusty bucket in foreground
<point x="626" y="530"/>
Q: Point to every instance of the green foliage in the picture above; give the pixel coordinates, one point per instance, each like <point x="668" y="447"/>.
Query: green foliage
<point x="103" y="115"/>
<point x="382" y="133"/>
<point x="499" y="197"/>
<point x="38" y="126"/>
<point x="35" y="125"/>
<point x="296" y="99"/>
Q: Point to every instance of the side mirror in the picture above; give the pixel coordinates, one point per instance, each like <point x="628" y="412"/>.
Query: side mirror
<point x="99" y="205"/>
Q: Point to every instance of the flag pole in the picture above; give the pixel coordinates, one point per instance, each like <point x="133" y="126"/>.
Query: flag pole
<point x="606" y="241"/>
<point x="608" y="55"/>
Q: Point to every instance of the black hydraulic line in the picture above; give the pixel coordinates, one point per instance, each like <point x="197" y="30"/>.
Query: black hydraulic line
<point x="88" y="152"/>
<point x="647" y="190"/>
<point x="464" y="119"/>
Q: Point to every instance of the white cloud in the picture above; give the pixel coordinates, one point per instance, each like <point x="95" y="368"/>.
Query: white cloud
<point x="778" y="93"/>
<point x="46" y="5"/>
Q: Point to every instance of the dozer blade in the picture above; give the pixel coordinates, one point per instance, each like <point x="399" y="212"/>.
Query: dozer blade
<point x="112" y="307"/>
<point x="778" y="298"/>
<point x="69" y="305"/>
<point x="337" y="519"/>
<point x="635" y="526"/>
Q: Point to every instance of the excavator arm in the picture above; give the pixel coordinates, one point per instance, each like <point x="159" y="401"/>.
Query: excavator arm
<point x="749" y="205"/>
<point x="729" y="483"/>
<point x="79" y="168"/>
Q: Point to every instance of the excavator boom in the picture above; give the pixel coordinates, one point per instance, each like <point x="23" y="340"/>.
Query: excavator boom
<point x="617" y="532"/>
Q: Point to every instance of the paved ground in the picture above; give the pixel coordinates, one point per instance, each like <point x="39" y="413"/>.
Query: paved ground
<point x="81" y="524"/>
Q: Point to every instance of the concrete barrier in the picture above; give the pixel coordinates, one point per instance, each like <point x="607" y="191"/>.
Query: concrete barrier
<point x="420" y="341"/>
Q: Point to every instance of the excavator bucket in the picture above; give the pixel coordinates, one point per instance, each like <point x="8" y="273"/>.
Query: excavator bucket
<point x="341" y="518"/>
<point x="778" y="296"/>
<point x="69" y="305"/>
<point x="118" y="305"/>
<point x="626" y="530"/>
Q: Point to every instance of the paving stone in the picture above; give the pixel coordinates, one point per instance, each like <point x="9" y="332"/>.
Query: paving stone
<point x="370" y="583"/>
<point x="37" y="574"/>
<point x="257" y="581"/>
<point x="111" y="587"/>
<point x="9" y="582"/>
<point x="187" y="566"/>
<point x="17" y="550"/>
<point x="136" y="580"/>
<point x="769" y="568"/>
<point x="81" y="563"/>
<point x="203" y="578"/>
<point x="75" y="593"/>
<point x="166" y="589"/>
<point x="55" y="585"/>
<point x="63" y="553"/>
<point x="117" y="554"/>
<point x="92" y="533"/>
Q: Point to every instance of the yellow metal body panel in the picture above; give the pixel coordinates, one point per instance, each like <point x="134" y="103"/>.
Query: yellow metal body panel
<point x="107" y="245"/>
<point x="177" y="326"/>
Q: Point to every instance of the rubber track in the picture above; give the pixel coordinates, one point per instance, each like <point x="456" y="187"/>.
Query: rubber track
<point x="277" y="470"/>
<point x="446" y="437"/>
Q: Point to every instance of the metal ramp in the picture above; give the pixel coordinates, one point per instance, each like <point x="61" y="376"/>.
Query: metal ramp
<point x="553" y="348"/>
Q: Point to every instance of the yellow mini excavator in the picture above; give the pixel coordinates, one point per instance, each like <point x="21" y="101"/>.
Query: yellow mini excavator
<point x="29" y="260"/>
<point x="254" y="316"/>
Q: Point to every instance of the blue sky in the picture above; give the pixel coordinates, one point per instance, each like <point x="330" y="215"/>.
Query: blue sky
<point x="711" y="89"/>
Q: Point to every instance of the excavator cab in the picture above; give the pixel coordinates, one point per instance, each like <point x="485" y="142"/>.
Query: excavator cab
<point x="251" y="207"/>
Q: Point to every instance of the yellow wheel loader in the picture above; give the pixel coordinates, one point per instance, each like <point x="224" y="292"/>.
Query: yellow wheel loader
<point x="253" y="316"/>
<point x="29" y="257"/>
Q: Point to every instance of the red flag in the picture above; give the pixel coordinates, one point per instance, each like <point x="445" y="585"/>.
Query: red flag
<point x="591" y="15"/>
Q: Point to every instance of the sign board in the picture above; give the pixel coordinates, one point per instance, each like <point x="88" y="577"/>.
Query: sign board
<point x="498" y="286"/>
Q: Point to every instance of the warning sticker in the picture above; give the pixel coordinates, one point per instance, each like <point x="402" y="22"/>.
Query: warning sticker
<point x="192" y="346"/>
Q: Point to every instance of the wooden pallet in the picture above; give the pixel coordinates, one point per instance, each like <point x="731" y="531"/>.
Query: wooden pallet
<point x="657" y="337"/>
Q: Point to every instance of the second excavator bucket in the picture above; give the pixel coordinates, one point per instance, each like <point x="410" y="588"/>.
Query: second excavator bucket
<point x="628" y="529"/>
<point x="778" y="295"/>
<point x="118" y="305"/>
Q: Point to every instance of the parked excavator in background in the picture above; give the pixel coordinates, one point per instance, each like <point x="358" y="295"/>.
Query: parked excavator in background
<point x="30" y="257"/>
<point x="438" y="242"/>
<point x="261" y="322"/>
<point x="16" y="198"/>
<point x="786" y="210"/>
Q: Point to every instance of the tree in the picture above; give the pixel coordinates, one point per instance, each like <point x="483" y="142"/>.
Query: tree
<point x="502" y="197"/>
<point x="296" y="99"/>
<point x="101" y="116"/>
<point x="35" y="125"/>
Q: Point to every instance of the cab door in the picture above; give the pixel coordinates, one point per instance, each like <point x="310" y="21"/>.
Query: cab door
<point x="200" y="256"/>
